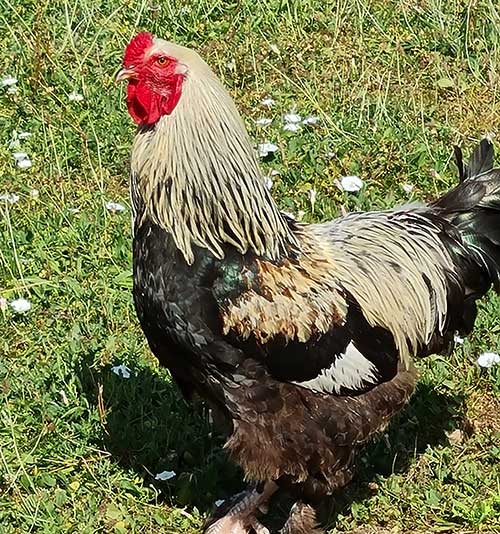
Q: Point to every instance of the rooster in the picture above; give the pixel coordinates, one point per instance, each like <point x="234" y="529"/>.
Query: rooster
<point x="300" y="336"/>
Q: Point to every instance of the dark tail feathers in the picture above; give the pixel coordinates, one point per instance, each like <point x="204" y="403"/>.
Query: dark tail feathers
<point x="473" y="207"/>
<point x="481" y="160"/>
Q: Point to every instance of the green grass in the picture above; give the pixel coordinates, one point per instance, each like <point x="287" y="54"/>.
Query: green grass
<point x="395" y="85"/>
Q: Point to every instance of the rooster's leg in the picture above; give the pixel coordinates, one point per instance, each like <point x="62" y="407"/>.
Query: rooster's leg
<point x="241" y="518"/>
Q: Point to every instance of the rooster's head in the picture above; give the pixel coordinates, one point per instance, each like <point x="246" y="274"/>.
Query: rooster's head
<point x="155" y="71"/>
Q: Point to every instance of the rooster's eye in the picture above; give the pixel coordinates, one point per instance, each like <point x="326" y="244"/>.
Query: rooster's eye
<point x="162" y="60"/>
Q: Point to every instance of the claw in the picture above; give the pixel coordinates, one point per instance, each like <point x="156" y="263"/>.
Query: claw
<point x="263" y="508"/>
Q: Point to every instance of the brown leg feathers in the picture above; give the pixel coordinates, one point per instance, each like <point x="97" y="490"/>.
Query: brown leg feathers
<point x="302" y="520"/>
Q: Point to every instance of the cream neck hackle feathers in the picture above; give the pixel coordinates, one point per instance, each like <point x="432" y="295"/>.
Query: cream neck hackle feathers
<point x="197" y="175"/>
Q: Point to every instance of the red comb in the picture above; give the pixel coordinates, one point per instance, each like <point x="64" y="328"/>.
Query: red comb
<point x="136" y="48"/>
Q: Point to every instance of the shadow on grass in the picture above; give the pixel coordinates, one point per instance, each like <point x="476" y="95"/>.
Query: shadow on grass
<point x="150" y="428"/>
<point x="424" y="422"/>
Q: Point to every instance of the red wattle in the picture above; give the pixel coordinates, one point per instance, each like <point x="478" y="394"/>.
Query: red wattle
<point x="146" y="106"/>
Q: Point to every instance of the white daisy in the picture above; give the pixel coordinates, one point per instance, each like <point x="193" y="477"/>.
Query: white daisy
<point x="291" y="127"/>
<point x="351" y="183"/>
<point x="11" y="198"/>
<point x="114" y="207"/>
<point x="24" y="163"/>
<point x="75" y="97"/>
<point x="407" y="188"/>
<point x="292" y="118"/>
<point x="22" y="160"/>
<point x="20" y="305"/>
<point x="268" y="102"/>
<point x="310" y="121"/>
<point x="121" y="370"/>
<point x="488" y="359"/>
<point x="165" y="475"/>
<point x="264" y="149"/>
<point x="8" y="81"/>
<point x="19" y="156"/>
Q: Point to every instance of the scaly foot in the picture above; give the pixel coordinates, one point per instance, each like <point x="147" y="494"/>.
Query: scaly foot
<point x="240" y="519"/>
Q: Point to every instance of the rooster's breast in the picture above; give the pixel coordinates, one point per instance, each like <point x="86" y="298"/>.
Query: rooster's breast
<point x="175" y="310"/>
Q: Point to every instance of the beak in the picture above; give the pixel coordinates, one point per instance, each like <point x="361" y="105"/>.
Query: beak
<point x="125" y="74"/>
